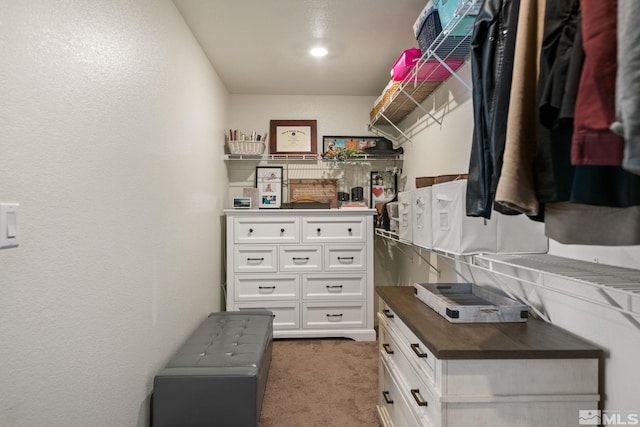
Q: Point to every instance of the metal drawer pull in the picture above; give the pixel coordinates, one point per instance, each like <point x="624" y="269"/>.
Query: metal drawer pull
<point x="282" y="230"/>
<point x="388" y="313"/>
<point x="346" y="258"/>
<point x="387" y="397"/>
<point x="387" y="348"/>
<point x="301" y="258"/>
<point x="255" y="259"/>
<point x="349" y="230"/>
<point x="334" y="286"/>
<point x="266" y="287"/>
<point x="417" y="351"/>
<point x="416" y="395"/>
<point x="319" y="230"/>
<point x="334" y="315"/>
<point x="251" y="230"/>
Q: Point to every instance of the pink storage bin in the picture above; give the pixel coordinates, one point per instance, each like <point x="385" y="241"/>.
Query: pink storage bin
<point x="404" y="64"/>
<point x="432" y="70"/>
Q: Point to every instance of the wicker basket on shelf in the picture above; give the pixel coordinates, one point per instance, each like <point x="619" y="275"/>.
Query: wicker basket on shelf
<point x="253" y="148"/>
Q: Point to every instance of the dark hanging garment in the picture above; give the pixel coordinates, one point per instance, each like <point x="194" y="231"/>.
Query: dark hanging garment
<point x="593" y="141"/>
<point x="561" y="66"/>
<point x="492" y="48"/>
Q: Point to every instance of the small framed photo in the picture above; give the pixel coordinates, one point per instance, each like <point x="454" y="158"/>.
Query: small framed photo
<point x="242" y="203"/>
<point x="384" y="186"/>
<point x="269" y="185"/>
<point x="293" y="137"/>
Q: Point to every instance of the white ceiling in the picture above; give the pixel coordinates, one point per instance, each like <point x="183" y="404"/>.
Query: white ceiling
<point x="261" y="46"/>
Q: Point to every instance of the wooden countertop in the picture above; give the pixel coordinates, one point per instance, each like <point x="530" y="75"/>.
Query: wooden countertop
<point x="533" y="339"/>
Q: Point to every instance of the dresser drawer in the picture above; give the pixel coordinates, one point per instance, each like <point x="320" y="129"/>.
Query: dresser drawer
<point x="334" y="286"/>
<point x="261" y="287"/>
<point x="345" y="258"/>
<point x="286" y="315"/>
<point x="335" y="315"/>
<point x="266" y="230"/>
<point x="393" y="409"/>
<point x="255" y="259"/>
<point x="415" y="351"/>
<point x="300" y="258"/>
<point x="340" y="230"/>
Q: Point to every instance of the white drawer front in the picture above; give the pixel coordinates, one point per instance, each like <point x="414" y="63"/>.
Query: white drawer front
<point x="255" y="259"/>
<point x="286" y="315"/>
<point x="416" y="352"/>
<point x="266" y="230"/>
<point x="392" y="400"/>
<point x="337" y="315"/>
<point x="261" y="287"/>
<point x="343" y="230"/>
<point x="345" y="258"/>
<point x="333" y="286"/>
<point x="300" y="258"/>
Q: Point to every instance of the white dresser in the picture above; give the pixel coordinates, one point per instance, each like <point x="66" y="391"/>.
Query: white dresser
<point x="436" y="373"/>
<point x="313" y="268"/>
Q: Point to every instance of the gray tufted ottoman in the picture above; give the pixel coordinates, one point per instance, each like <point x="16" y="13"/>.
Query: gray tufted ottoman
<point x="218" y="377"/>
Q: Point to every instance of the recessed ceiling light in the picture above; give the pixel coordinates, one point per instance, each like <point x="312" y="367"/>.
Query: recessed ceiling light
<point x="318" y="51"/>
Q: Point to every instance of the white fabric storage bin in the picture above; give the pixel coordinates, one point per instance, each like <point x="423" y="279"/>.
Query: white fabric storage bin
<point x="519" y="234"/>
<point x="392" y="210"/>
<point x="405" y="216"/>
<point x="422" y="233"/>
<point x="453" y="230"/>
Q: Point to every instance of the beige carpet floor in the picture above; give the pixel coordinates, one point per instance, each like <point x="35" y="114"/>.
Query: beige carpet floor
<point x="321" y="382"/>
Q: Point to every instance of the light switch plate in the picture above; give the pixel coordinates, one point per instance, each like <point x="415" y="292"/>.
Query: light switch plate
<point x="9" y="230"/>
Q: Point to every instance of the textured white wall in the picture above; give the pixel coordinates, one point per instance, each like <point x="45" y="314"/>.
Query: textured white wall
<point x="111" y="118"/>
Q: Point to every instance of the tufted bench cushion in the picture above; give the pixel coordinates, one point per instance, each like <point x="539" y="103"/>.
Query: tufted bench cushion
<point x="219" y="375"/>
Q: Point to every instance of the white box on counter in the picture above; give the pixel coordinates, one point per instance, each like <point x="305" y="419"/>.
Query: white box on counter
<point x="470" y="303"/>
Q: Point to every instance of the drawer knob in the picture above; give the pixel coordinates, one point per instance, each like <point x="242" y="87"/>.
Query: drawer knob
<point x="319" y="230"/>
<point x="387" y="397"/>
<point x="417" y="351"/>
<point x="251" y="230"/>
<point x="349" y="230"/>
<point x="282" y="230"/>
<point x="387" y="348"/>
<point x="388" y="313"/>
<point x="416" y="396"/>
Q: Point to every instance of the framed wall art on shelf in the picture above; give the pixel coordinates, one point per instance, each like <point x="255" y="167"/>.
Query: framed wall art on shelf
<point x="293" y="137"/>
<point x="384" y="186"/>
<point x="344" y="147"/>
<point x="269" y="185"/>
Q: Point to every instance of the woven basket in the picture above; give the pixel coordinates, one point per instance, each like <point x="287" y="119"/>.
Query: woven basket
<point x="385" y="98"/>
<point x="246" y="147"/>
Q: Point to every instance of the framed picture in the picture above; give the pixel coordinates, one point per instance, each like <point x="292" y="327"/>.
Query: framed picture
<point x="269" y="185"/>
<point x="384" y="186"/>
<point x="293" y="137"/>
<point x="333" y="146"/>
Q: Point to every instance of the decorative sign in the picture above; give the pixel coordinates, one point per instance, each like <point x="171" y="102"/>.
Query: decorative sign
<point x="318" y="190"/>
